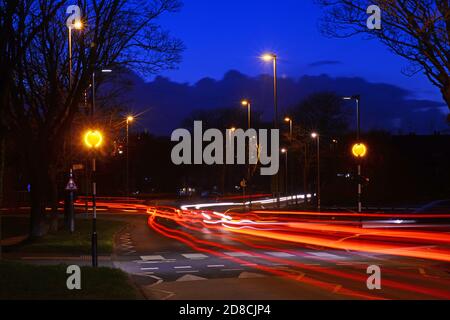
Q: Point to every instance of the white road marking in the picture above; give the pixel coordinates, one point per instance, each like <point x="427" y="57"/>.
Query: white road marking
<point x="183" y="267"/>
<point x="216" y="265"/>
<point x="280" y="254"/>
<point x="144" y="269"/>
<point x="158" y="280"/>
<point x="238" y="254"/>
<point x="190" y="277"/>
<point x="155" y="262"/>
<point x="194" y="256"/>
<point x="148" y="258"/>
<point x="326" y="255"/>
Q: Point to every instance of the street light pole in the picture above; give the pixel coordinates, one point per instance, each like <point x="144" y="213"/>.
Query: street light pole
<point x="317" y="136"/>
<point x="94" y="239"/>
<point x="286" y="176"/>
<point x="290" y="121"/>
<point x="70" y="58"/>
<point x="127" y="189"/>
<point x="357" y="98"/>
<point x="128" y="121"/>
<point x="273" y="57"/>
<point x="69" y="209"/>
<point x="246" y="103"/>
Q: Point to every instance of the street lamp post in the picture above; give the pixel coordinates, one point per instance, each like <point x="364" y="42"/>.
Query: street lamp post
<point x="286" y="176"/>
<point x="357" y="98"/>
<point x="246" y="103"/>
<point x="93" y="140"/>
<point x="78" y="25"/>
<point x="129" y="120"/>
<point x="290" y="121"/>
<point x="273" y="57"/>
<point x="316" y="136"/>
<point x="93" y="88"/>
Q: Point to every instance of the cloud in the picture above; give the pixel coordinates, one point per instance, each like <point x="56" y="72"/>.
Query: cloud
<point x="383" y="106"/>
<point x="322" y="63"/>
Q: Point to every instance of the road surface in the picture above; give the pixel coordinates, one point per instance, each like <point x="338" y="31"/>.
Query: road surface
<point x="172" y="256"/>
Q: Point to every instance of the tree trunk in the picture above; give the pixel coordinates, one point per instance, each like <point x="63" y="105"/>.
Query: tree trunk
<point x="2" y="170"/>
<point x="2" y="164"/>
<point x="54" y="202"/>
<point x="37" y="218"/>
<point x="39" y="184"/>
<point x="446" y="95"/>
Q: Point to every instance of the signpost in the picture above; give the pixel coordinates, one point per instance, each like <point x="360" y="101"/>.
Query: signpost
<point x="71" y="187"/>
<point x="243" y="186"/>
<point x="359" y="151"/>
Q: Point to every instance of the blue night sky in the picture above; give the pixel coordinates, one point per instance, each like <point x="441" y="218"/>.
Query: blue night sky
<point x="223" y="35"/>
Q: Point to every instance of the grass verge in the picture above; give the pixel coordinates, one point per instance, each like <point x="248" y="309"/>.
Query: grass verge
<point x="32" y="282"/>
<point x="63" y="242"/>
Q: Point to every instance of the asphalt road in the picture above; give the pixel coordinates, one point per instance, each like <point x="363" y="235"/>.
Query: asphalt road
<point x="223" y="266"/>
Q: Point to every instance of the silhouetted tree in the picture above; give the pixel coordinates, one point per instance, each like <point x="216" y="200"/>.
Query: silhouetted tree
<point x="40" y="106"/>
<point x="325" y="114"/>
<point x="417" y="30"/>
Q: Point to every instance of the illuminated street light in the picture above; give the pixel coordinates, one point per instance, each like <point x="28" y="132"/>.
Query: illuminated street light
<point x="268" y="57"/>
<point x="78" y="25"/>
<point x="316" y="136"/>
<point x="247" y="104"/>
<point x="290" y="121"/>
<point x="93" y="139"/>
<point x="130" y="119"/>
<point x="273" y="57"/>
